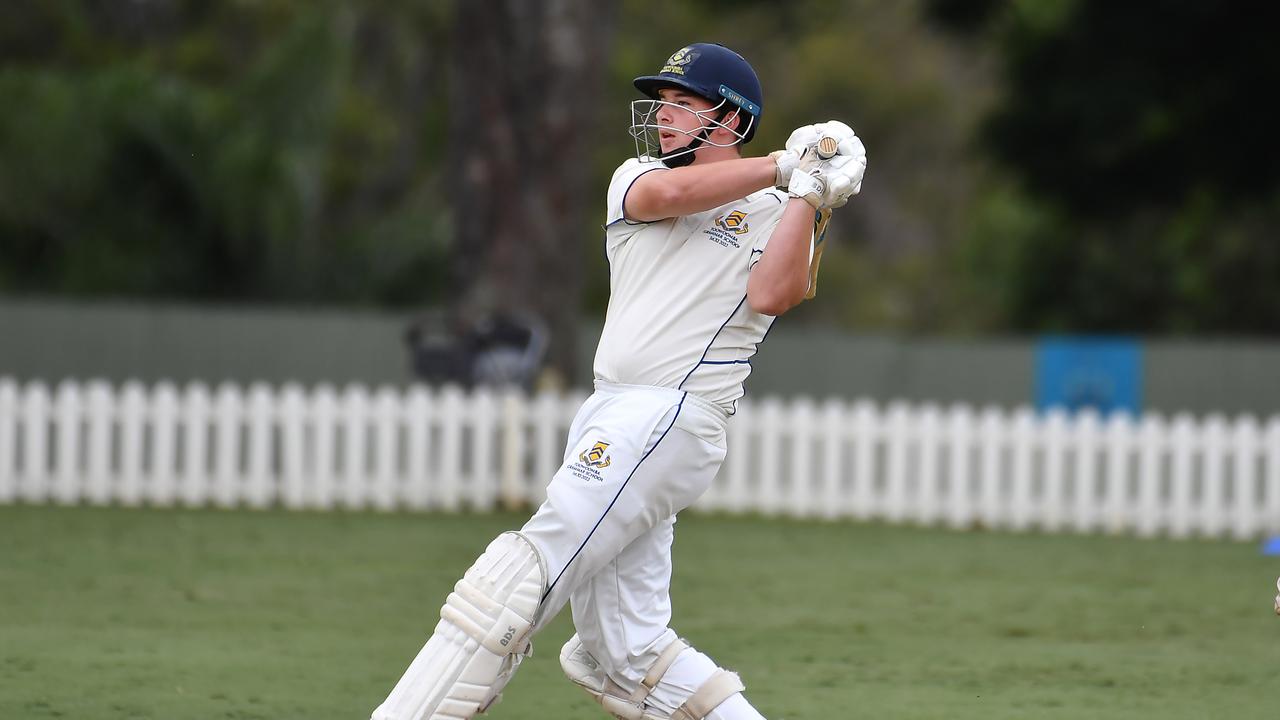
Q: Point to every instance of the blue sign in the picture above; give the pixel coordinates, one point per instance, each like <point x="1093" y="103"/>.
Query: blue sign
<point x="1075" y="373"/>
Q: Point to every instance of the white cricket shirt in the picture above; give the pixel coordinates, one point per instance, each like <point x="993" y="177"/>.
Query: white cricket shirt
<point x="678" y="315"/>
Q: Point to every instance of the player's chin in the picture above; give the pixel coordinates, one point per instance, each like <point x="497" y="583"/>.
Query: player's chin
<point x="670" y="145"/>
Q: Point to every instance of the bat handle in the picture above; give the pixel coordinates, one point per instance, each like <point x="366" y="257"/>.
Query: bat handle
<point x="827" y="147"/>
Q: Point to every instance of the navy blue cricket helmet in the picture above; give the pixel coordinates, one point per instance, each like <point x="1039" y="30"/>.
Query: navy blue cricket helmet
<point x="714" y="72"/>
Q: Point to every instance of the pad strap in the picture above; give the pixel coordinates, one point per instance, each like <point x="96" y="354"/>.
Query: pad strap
<point x="719" y="687"/>
<point x="659" y="668"/>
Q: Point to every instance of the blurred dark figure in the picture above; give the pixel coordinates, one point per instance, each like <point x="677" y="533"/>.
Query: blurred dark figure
<point x="496" y="350"/>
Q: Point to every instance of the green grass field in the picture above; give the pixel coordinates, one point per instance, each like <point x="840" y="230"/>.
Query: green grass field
<point x="110" y="613"/>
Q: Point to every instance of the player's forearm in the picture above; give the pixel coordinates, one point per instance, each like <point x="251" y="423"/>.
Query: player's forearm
<point x="780" y="279"/>
<point x="696" y="188"/>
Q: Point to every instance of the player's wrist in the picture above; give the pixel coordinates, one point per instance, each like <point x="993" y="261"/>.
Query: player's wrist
<point x="808" y="186"/>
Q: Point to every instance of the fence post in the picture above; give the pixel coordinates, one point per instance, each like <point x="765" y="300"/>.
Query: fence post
<point x="353" y="422"/>
<point x="960" y="438"/>
<point x="452" y="417"/>
<point x="1084" y="484"/>
<point x="1212" y="519"/>
<point x="34" y="416"/>
<point x="418" y="434"/>
<point x="484" y="423"/>
<point x="770" y="437"/>
<point x="1052" y="500"/>
<point x="928" y="500"/>
<point x="1152" y="440"/>
<point x="799" y="427"/>
<point x="386" y="442"/>
<point x="69" y="409"/>
<point x="513" y="482"/>
<point x="260" y="488"/>
<point x="992" y="440"/>
<point x="100" y="425"/>
<point x="161" y="468"/>
<point x="834" y="431"/>
<point x="1119" y="448"/>
<point x="1024" y="439"/>
<point x="324" y="454"/>
<point x="133" y="417"/>
<point x="866" y="434"/>
<point x="293" y="432"/>
<point x="898" y="441"/>
<point x="226" y="445"/>
<point x="1182" y="433"/>
<point x="8" y="427"/>
<point x="194" y="485"/>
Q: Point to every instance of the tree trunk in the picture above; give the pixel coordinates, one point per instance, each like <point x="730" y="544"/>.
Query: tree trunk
<point x="524" y="94"/>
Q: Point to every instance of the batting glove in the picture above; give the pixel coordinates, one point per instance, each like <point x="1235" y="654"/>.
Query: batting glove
<point x="799" y="151"/>
<point x="786" y="161"/>
<point x="810" y="186"/>
<point x="844" y="172"/>
<point x="804" y="137"/>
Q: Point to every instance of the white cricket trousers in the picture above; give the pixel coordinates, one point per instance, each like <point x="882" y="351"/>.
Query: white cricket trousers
<point x="636" y="456"/>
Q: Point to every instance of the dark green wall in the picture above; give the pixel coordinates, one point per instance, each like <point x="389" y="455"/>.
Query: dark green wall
<point x="51" y="340"/>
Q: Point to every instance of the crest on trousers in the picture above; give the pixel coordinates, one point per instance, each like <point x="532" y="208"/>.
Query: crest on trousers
<point x="595" y="457"/>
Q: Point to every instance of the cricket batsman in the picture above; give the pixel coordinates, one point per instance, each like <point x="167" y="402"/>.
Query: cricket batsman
<point x="706" y="248"/>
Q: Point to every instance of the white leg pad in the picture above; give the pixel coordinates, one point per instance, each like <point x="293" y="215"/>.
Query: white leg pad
<point x="585" y="671"/>
<point x="482" y="636"/>
<point x="719" y="687"/>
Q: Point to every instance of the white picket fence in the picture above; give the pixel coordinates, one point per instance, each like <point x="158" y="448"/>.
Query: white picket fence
<point x="421" y="448"/>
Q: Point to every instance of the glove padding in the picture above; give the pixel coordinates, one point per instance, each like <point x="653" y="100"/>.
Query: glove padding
<point x="838" y="177"/>
<point x="786" y="161"/>
<point x="809" y="185"/>
<point x="800" y="148"/>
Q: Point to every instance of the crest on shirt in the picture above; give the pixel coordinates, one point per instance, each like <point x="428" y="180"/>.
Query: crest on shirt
<point x="735" y="222"/>
<point x="727" y="227"/>
<point x="595" y="457"/>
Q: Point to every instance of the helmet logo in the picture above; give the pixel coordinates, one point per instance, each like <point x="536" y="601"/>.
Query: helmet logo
<point x="676" y="63"/>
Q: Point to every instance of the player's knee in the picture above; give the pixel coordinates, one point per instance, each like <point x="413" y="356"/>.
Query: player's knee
<point x="497" y="600"/>
<point x="585" y="671"/>
<point x="482" y="636"/>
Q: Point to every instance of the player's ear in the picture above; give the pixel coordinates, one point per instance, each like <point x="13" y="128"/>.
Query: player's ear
<point x="735" y="119"/>
<point x="732" y="120"/>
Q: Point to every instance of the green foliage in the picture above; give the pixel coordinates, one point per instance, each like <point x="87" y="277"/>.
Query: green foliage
<point x="222" y="153"/>
<point x="1117" y="107"/>
<point x="112" y="613"/>
<point x="1141" y="127"/>
<point x="1053" y="165"/>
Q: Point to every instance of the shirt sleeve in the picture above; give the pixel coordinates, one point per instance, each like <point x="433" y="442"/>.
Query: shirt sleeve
<point x="623" y="178"/>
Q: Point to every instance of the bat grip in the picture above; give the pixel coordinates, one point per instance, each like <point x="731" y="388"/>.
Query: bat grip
<point x="827" y="147"/>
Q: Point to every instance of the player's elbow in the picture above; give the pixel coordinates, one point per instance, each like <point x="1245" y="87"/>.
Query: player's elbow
<point x="773" y="300"/>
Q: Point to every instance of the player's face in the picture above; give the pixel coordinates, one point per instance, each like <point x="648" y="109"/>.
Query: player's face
<point x="679" y="115"/>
